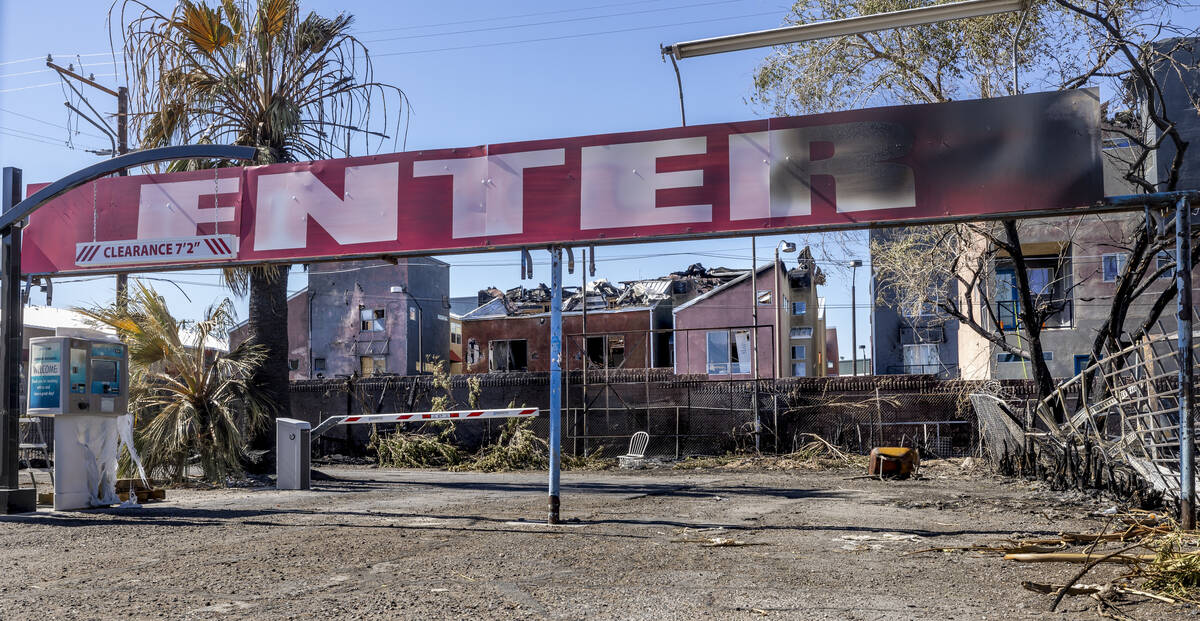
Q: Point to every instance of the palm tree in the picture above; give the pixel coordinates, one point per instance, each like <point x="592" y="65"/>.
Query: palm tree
<point x="193" y="405"/>
<point x="253" y="73"/>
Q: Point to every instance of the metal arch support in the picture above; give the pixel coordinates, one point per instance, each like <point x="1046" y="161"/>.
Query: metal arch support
<point x="13" y="499"/>
<point x="21" y="210"/>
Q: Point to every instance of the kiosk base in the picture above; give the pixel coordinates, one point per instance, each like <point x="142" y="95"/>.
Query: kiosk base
<point x="23" y="500"/>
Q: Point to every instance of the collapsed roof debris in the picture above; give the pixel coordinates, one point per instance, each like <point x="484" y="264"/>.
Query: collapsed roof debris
<point x="602" y="294"/>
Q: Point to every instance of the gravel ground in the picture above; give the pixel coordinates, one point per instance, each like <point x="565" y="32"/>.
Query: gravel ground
<point x="421" y="544"/>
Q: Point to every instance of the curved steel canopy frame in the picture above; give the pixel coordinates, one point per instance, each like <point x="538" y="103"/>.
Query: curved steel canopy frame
<point x="21" y="210"/>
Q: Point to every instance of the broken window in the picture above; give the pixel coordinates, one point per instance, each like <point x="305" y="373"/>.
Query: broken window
<point x="606" y="351"/>
<point x="372" y="365"/>
<point x="371" y="320"/>
<point x="509" y="355"/>
<point x="764" y="297"/>
<point x="728" y="352"/>
<point x="293" y="364"/>
<point x="473" y="352"/>
<point x="799" y="352"/>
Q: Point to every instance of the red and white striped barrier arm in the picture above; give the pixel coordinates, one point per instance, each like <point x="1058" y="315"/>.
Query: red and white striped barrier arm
<point x="414" y="417"/>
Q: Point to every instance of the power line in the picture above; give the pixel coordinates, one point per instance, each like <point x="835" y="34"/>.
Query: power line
<point x="551" y="22"/>
<point x="56" y="144"/>
<point x="43" y="85"/>
<point x="492" y="19"/>
<point x="576" y="36"/>
<point x="43" y="57"/>
<point x="37" y="120"/>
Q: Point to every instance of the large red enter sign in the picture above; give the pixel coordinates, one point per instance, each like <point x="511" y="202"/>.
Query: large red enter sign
<point x="982" y="158"/>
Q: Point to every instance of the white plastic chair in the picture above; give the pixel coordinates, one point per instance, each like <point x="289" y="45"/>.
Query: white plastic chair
<point x="637" y="451"/>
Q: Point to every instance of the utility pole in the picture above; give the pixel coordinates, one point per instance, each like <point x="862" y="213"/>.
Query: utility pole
<point x="122" y="136"/>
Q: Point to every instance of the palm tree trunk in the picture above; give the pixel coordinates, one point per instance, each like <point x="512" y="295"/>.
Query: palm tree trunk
<point x="268" y="326"/>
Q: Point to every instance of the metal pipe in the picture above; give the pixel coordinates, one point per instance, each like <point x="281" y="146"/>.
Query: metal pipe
<point x="1187" y="369"/>
<point x="854" y="317"/>
<point x="555" y="378"/>
<point x="10" y="344"/>
<point x="843" y="27"/>
<point x="754" y="339"/>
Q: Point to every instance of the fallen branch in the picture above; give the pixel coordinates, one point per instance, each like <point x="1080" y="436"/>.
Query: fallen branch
<point x="1078" y="557"/>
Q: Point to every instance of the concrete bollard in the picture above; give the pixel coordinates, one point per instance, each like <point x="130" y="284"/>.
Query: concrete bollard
<point x="292" y="454"/>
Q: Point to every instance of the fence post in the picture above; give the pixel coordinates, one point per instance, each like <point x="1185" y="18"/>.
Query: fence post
<point x="775" y="417"/>
<point x="677" y="433"/>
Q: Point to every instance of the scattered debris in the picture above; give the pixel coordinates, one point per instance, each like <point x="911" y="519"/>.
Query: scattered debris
<point x="1163" y="562"/>
<point x="857" y="543"/>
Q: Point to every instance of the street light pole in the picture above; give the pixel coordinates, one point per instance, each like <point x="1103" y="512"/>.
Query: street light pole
<point x="854" y="265"/>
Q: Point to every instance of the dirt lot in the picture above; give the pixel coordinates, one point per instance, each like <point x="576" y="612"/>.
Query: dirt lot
<point x="421" y="544"/>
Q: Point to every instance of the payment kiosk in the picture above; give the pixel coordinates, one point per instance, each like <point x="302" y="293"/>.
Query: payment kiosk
<point x="84" y="385"/>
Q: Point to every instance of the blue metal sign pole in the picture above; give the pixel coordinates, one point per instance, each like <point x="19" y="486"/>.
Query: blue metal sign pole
<point x="1187" y="369"/>
<point x="555" y="377"/>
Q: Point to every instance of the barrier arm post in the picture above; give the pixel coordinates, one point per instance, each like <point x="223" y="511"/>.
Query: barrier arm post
<point x="555" y="378"/>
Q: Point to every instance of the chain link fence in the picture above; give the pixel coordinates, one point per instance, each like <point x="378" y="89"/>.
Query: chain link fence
<point x="685" y="416"/>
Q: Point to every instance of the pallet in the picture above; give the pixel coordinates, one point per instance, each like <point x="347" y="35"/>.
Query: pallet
<point x="143" y="495"/>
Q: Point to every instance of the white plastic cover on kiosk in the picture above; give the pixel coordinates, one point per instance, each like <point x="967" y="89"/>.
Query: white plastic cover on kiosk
<point x="84" y="385"/>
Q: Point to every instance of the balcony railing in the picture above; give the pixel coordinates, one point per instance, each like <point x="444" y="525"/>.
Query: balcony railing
<point x="1009" y="313"/>
<point x="913" y="335"/>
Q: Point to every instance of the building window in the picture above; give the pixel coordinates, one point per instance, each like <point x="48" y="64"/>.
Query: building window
<point x="1113" y="265"/>
<point x="508" y="355"/>
<point x="372" y="365"/>
<point x="606" y="351"/>
<point x="764" y="297"/>
<point x="799" y="308"/>
<point x="728" y="352"/>
<point x="455" y="334"/>
<point x="799" y="369"/>
<point x="1049" y="286"/>
<point x="1081" y="362"/>
<point x="802" y="333"/>
<point x="1007" y="357"/>
<point x="371" y="320"/>
<point x="921" y="358"/>
<point x="318" y="365"/>
<point x="473" y="352"/>
<point x="1165" y="258"/>
<point x="293" y="364"/>
<point x="412" y="314"/>
<point x="799" y="352"/>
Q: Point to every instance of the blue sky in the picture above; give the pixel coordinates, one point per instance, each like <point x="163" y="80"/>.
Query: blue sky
<point x="476" y="72"/>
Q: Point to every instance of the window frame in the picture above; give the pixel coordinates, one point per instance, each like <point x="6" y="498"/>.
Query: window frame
<point x="1120" y="259"/>
<point x="377" y="322"/>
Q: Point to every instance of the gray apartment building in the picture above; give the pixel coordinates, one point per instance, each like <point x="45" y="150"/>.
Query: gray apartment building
<point x="1074" y="262"/>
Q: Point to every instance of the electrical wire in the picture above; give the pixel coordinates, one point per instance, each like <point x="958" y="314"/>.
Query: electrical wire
<point x="37" y="120"/>
<point x="55" y="83"/>
<point x="551" y="22"/>
<point x="523" y="15"/>
<point x="576" y="36"/>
